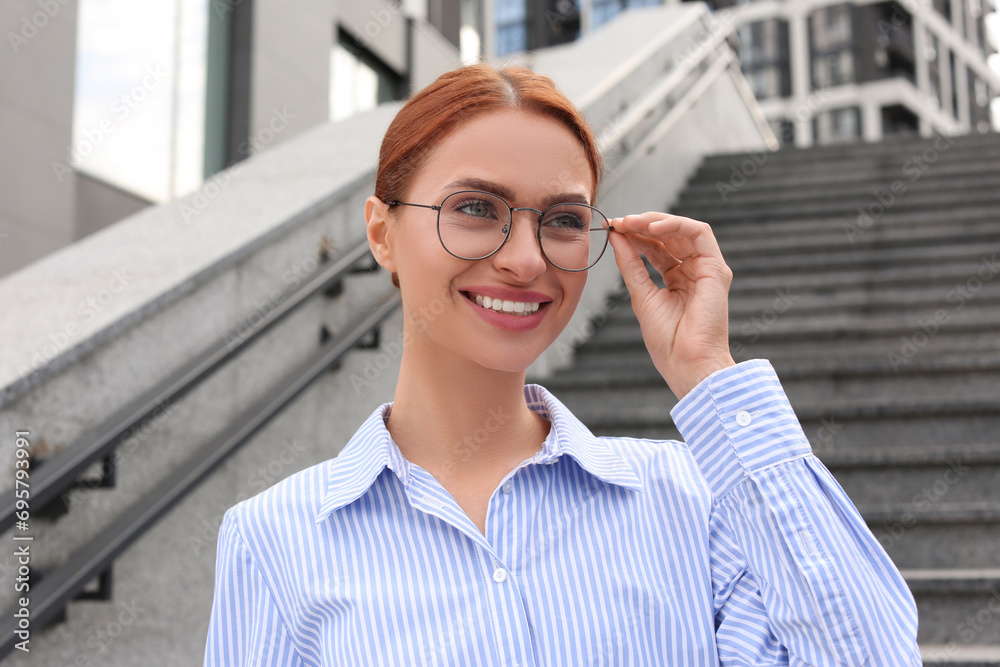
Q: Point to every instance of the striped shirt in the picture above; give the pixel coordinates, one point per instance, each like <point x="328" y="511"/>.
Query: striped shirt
<point x="736" y="547"/>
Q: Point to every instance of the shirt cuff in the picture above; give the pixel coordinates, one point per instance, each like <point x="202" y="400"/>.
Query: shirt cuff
<point x="738" y="421"/>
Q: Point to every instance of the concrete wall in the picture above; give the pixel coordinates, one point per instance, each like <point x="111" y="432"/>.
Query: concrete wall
<point x="99" y="204"/>
<point x="37" y="202"/>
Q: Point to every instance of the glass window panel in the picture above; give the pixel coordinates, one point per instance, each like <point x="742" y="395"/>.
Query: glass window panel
<point x="139" y="100"/>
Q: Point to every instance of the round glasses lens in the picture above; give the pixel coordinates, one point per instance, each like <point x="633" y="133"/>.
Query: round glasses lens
<point x="472" y="224"/>
<point x="573" y="236"/>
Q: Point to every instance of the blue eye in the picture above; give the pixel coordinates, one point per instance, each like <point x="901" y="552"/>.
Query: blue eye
<point x="477" y="208"/>
<point x="565" y="220"/>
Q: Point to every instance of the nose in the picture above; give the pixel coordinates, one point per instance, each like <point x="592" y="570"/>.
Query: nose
<point x="520" y="254"/>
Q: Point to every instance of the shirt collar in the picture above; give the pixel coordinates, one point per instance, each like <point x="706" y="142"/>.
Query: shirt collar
<point x="372" y="449"/>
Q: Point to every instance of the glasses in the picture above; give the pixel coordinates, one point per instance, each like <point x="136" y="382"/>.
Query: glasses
<point x="473" y="225"/>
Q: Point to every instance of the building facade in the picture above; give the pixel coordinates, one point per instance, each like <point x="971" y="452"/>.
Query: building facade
<point x="113" y="106"/>
<point x="824" y="71"/>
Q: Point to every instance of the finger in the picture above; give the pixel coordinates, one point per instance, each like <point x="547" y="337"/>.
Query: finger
<point x="632" y="268"/>
<point x="654" y="251"/>
<point x="682" y="237"/>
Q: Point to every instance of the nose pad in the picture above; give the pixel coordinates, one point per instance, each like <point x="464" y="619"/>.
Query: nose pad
<point x="537" y="262"/>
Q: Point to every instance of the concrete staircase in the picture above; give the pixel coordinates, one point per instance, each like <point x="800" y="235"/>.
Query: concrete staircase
<point x="868" y="275"/>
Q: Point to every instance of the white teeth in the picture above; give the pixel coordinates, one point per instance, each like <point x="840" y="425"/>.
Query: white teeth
<point x="502" y="306"/>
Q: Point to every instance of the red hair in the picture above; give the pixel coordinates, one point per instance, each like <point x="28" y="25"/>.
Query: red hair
<point x="456" y="96"/>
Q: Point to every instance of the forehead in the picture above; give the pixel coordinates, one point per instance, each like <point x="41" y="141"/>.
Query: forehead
<point x="531" y="155"/>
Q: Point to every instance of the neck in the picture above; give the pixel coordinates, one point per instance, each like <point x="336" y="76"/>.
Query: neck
<point x="463" y="423"/>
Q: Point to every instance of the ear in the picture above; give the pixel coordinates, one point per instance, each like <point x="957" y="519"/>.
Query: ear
<point x="380" y="237"/>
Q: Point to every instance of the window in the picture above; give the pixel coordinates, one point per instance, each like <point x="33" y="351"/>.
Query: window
<point x="832" y="46"/>
<point x="837" y="125"/>
<point x="511" y="22"/>
<point x="603" y="11"/>
<point x="764" y="57"/>
<point x="139" y="99"/>
<point x="358" y="80"/>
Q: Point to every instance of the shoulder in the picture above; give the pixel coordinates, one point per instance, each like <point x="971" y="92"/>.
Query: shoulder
<point x="660" y="462"/>
<point x="284" y="508"/>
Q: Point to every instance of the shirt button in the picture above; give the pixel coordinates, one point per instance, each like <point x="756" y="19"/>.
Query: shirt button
<point x="743" y="418"/>
<point x="508" y="486"/>
<point x="552" y="460"/>
<point x="499" y="575"/>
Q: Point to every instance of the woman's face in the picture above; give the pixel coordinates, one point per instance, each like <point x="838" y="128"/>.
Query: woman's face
<point x="529" y="160"/>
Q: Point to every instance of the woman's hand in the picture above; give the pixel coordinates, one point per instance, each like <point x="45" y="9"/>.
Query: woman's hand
<point x="686" y="324"/>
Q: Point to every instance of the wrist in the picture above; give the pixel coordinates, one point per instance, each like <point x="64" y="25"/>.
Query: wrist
<point x="685" y="381"/>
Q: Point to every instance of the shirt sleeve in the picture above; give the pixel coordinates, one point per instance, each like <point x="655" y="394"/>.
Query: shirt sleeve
<point x="798" y="577"/>
<point x="246" y="627"/>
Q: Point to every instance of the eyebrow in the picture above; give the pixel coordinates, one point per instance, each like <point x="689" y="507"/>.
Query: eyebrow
<point x="508" y="194"/>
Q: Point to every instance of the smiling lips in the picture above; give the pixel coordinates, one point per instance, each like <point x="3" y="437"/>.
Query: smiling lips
<point x="507" y="302"/>
<point x="505" y="306"/>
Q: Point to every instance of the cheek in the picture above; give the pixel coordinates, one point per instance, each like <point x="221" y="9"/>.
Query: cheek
<point x="573" y="288"/>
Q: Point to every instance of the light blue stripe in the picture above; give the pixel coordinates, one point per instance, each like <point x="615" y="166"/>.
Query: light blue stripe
<point x="736" y="547"/>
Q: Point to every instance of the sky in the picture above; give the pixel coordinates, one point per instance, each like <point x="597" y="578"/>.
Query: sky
<point x="125" y="80"/>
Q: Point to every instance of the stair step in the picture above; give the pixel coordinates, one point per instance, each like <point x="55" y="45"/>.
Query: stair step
<point x="852" y="237"/>
<point x="980" y="255"/>
<point x="957" y="607"/>
<point x="889" y="146"/>
<point x="886" y="189"/>
<point x="706" y="182"/>
<point x="882" y="322"/>
<point x="941" y="203"/>
<point x="959" y="654"/>
<point x="920" y="330"/>
<point x="953" y="272"/>
<point x="905" y="160"/>
<point x="806" y="227"/>
<point x="844" y="427"/>
<point x="732" y="178"/>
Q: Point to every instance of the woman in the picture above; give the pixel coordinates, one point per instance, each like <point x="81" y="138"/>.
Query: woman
<point x="535" y="543"/>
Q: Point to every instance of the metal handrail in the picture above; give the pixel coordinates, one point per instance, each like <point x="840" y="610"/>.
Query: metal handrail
<point x="59" y="473"/>
<point x="52" y="593"/>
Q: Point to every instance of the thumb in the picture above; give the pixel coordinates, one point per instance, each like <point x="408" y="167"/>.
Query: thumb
<point x="632" y="267"/>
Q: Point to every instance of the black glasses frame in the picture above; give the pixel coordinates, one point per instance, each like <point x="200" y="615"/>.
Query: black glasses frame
<point x="510" y="222"/>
